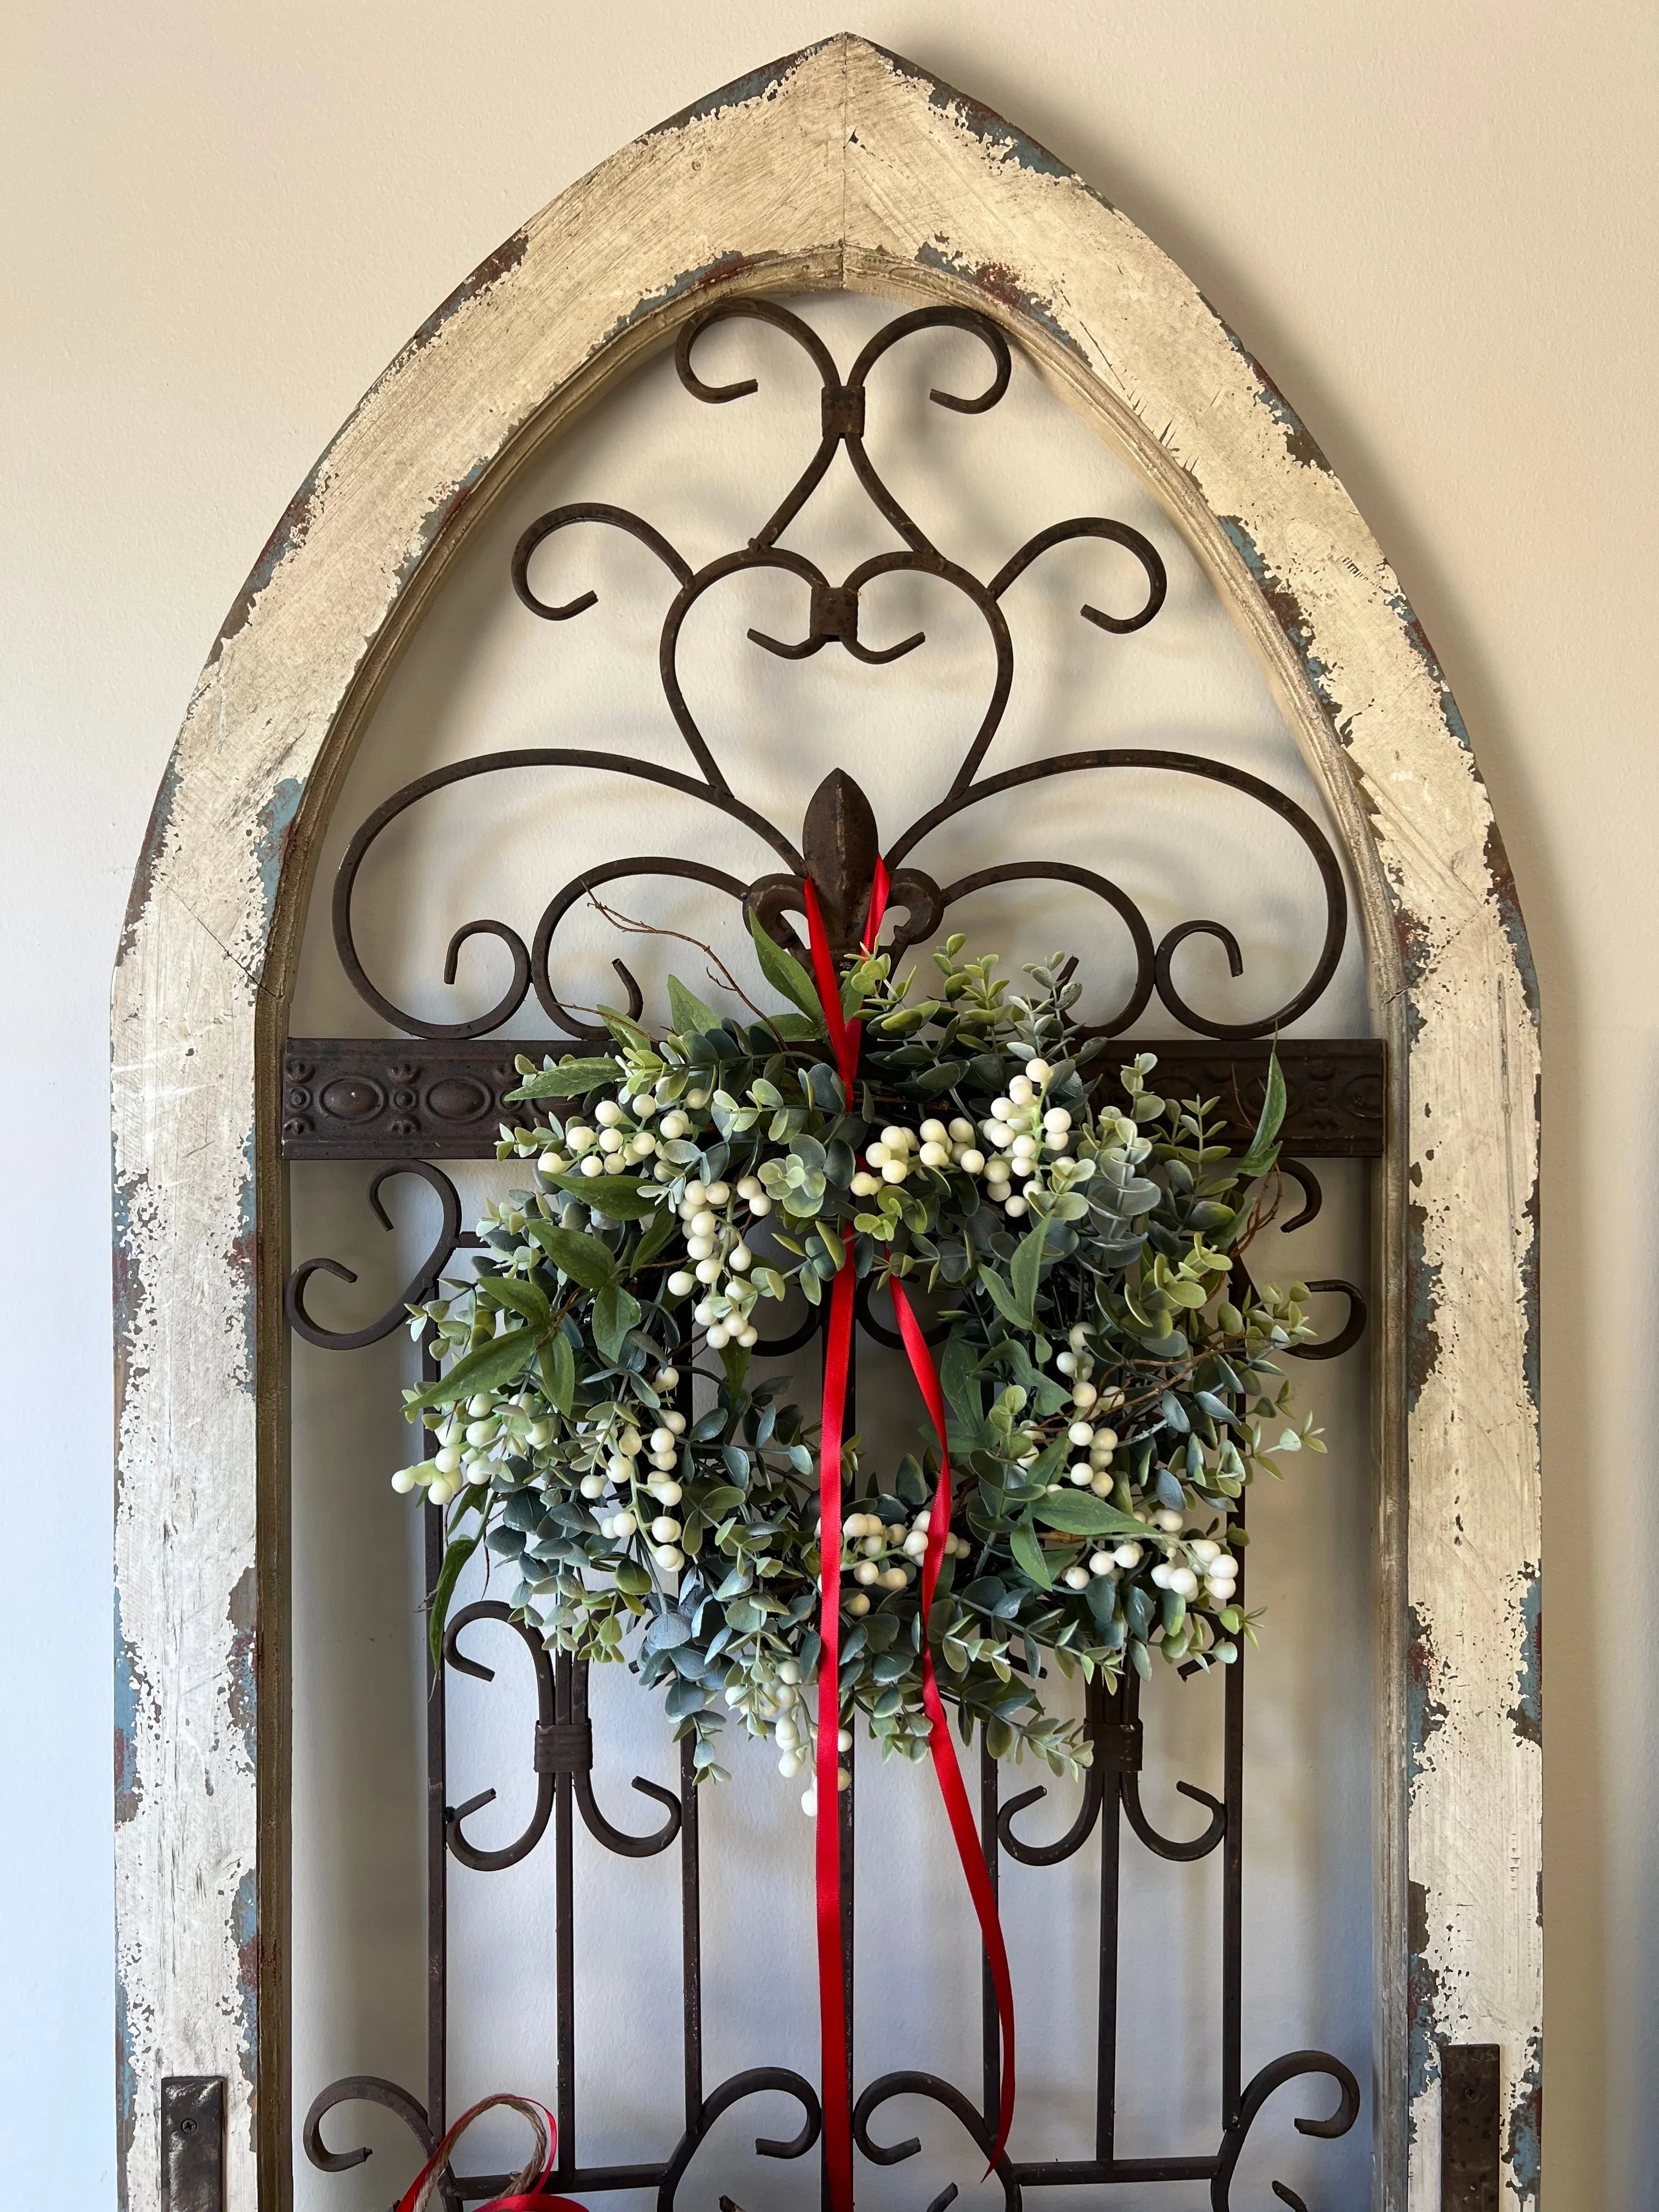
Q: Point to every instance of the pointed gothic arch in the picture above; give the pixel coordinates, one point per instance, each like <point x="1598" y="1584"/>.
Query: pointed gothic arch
<point x="842" y="166"/>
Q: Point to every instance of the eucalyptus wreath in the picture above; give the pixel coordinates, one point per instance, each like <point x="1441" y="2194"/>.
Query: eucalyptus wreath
<point x="1109" y="1373"/>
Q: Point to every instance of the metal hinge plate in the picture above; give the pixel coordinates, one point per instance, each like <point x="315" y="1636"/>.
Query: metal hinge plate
<point x="193" y="2143"/>
<point x="1469" y="2099"/>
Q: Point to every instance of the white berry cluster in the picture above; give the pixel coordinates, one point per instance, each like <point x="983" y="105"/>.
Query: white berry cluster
<point x="887" y="1555"/>
<point x="1027" y="1141"/>
<point x="719" y="1273"/>
<point x="938" y="1145"/>
<point x="622" y="1143"/>
<point x="476" y="1441"/>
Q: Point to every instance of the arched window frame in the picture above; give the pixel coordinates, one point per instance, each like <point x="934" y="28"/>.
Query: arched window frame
<point x="842" y="166"/>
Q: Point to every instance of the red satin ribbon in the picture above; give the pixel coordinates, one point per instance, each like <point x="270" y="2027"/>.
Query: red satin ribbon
<point x="832" y="1983"/>
<point x="536" y="2200"/>
<point x="845" y="1037"/>
<point x="951" y="1789"/>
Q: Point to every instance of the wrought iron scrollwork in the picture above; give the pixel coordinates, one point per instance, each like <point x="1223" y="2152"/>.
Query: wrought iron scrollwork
<point x="1354" y="1324"/>
<point x="1167" y="1847"/>
<point x="421" y="1284"/>
<point x="1294" y="2066"/>
<point x="1066" y="1846"/>
<point x="470" y="1854"/>
<point x="1114" y="1728"/>
<point x="563" y="1746"/>
<point x="839" y="845"/>
<point x="572" y="1682"/>
<point x="938" y="2092"/>
<point x="1333" y="1347"/>
<point x="368" y="2089"/>
<point x="833" y="616"/>
<point x="753" y="2082"/>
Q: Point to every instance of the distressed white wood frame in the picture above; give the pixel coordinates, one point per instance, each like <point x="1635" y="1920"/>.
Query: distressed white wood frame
<point x="842" y="166"/>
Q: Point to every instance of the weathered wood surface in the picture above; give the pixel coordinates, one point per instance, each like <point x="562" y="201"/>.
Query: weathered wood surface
<point x="840" y="166"/>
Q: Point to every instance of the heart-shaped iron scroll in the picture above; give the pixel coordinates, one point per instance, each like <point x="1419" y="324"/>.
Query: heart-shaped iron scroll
<point x="839" y="839"/>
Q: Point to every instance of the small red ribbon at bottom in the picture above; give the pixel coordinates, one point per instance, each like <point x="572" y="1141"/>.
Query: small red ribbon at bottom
<point x="422" y="2190"/>
<point x="846" y="1038"/>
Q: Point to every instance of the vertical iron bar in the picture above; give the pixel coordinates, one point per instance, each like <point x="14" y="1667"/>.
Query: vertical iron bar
<point x="564" y="1911"/>
<point x="690" y="1883"/>
<point x="1111" y="1710"/>
<point x="992" y="2026"/>
<point x="437" y="1840"/>
<point x="1232" y="1874"/>
<point x="846" y="1922"/>
<point x="691" y="1935"/>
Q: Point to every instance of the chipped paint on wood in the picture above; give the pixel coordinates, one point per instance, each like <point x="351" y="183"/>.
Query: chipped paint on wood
<point x="842" y="165"/>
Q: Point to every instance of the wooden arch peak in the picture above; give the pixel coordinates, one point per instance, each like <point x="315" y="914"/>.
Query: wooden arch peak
<point x="842" y="166"/>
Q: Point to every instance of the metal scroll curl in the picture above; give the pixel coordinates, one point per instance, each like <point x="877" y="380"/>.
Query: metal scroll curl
<point x="369" y="2089"/>
<point x="832" y="615"/>
<point x="1063" y="1847"/>
<point x="563" y="1745"/>
<point x="961" y="2107"/>
<point x="1292" y="2067"/>
<point x="468" y="1853"/>
<point x="420" y="1286"/>
<point x="752" y="2082"/>
<point x="1354" y="1325"/>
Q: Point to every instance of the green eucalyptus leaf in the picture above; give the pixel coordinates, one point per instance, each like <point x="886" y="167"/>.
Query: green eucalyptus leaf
<point x="1028" y="1556"/>
<point x="615" y="1312"/>
<point x="619" y="1197"/>
<point x="1080" y="1513"/>
<point x="1026" y="1269"/>
<point x="625" y="1029"/>
<point x="583" y="1258"/>
<point x="571" y="1079"/>
<point x="491" y="1367"/>
<point x="1002" y="1298"/>
<point x="524" y="1299"/>
<point x="459" y="1550"/>
<point x="688" y="1012"/>
<point x="785" y="974"/>
<point x="557" y="1365"/>
<point x="1263" y="1149"/>
<point x="955" y="1375"/>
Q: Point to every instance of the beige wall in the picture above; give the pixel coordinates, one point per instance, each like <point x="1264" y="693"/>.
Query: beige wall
<point x="1434" y="222"/>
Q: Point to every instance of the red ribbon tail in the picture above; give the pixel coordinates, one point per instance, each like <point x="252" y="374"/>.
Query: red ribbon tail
<point x="957" y="1809"/>
<point x="832" y="1984"/>
<point x="881" y="885"/>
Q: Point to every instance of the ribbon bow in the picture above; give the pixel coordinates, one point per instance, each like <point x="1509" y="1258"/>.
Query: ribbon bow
<point x="529" y="2191"/>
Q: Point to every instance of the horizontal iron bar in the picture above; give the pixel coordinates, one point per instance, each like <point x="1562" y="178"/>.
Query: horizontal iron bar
<point x="1056" y="2173"/>
<point x="406" y="1098"/>
<point x="469" y="2186"/>
<point x="1038" y="2174"/>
